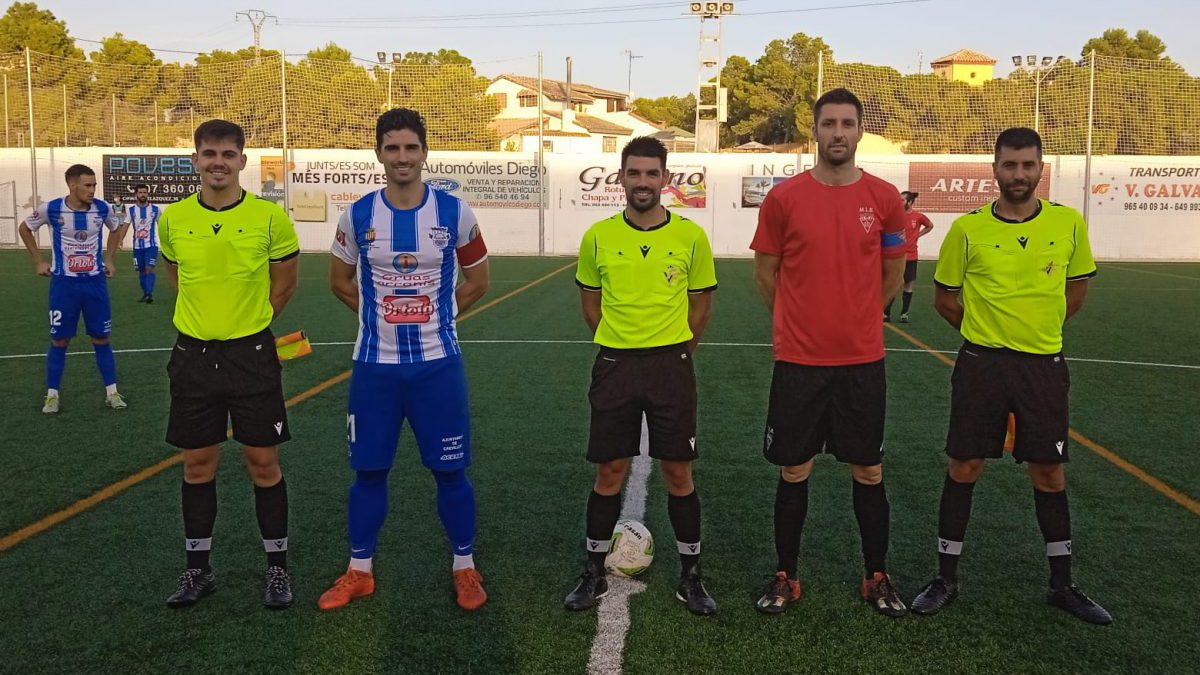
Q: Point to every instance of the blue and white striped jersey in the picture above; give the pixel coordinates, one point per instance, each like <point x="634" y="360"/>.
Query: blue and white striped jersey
<point x="77" y="237"/>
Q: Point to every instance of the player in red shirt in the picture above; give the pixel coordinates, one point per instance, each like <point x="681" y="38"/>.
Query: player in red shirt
<point x="829" y="254"/>
<point x="918" y="226"/>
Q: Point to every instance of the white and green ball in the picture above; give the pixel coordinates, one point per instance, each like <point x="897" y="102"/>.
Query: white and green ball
<point x="631" y="550"/>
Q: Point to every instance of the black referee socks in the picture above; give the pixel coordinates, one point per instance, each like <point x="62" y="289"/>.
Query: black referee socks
<point x="199" y="514"/>
<point x="271" y="507"/>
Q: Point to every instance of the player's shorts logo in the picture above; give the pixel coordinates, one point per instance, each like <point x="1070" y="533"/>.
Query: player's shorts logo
<point x="405" y="263"/>
<point x="79" y="264"/>
<point x="407" y="309"/>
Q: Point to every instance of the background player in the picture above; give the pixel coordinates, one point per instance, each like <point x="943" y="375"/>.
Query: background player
<point x="78" y="274"/>
<point x="396" y="256"/>
<point x="143" y="217"/>
<point x="918" y="226"/>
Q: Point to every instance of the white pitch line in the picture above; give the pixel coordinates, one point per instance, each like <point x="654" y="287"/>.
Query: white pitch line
<point x="1070" y="359"/>
<point x="612" y="617"/>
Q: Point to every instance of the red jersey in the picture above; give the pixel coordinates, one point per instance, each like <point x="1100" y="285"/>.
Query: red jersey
<point x="916" y="220"/>
<point x="830" y="240"/>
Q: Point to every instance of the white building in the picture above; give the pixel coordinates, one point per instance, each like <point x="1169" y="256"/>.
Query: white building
<point x="597" y="120"/>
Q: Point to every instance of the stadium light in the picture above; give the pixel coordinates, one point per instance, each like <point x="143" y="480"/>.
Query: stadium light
<point x="397" y="57"/>
<point x="1039" y="72"/>
<point x="1031" y="60"/>
<point x="382" y="56"/>
<point x="711" y="10"/>
<point x="1047" y="60"/>
<point x="1017" y="61"/>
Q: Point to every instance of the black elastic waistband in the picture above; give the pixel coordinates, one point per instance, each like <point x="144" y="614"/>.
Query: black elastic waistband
<point x="641" y="351"/>
<point x="188" y="340"/>
<point x="967" y="344"/>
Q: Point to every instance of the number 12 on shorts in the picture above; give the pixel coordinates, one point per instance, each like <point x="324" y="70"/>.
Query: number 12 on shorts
<point x="56" y="317"/>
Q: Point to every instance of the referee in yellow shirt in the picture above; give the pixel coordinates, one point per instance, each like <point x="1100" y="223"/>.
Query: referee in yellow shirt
<point x="1008" y="276"/>
<point x="646" y="278"/>
<point x="234" y="258"/>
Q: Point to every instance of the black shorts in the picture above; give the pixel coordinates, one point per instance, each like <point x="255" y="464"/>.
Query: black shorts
<point x="910" y="271"/>
<point x="834" y="409"/>
<point x="627" y="383"/>
<point x="990" y="383"/>
<point x="213" y="382"/>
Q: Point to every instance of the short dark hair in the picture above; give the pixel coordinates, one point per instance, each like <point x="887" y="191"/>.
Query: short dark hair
<point x="645" y="146"/>
<point x="1018" y="138"/>
<point x="76" y="170"/>
<point x="141" y="186"/>
<point x="909" y="194"/>
<point x="398" y="119"/>
<point x="839" y="95"/>
<point x="219" y="130"/>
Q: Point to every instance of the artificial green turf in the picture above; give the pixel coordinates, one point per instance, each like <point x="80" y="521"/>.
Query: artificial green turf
<point x="87" y="595"/>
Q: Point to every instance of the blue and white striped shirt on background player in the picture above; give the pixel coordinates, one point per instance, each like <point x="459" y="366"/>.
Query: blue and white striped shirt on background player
<point x="408" y="264"/>
<point x="76" y="237"/>
<point x="144" y="220"/>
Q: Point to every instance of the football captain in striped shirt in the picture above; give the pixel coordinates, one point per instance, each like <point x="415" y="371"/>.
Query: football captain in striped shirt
<point x="396" y="257"/>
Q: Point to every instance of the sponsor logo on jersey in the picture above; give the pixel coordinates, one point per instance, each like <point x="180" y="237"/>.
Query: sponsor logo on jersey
<point x="79" y="264"/>
<point x="407" y="309"/>
<point x="405" y="263"/>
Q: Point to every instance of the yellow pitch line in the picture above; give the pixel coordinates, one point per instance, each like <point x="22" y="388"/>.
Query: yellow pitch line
<point x="13" y="538"/>
<point x="1120" y="462"/>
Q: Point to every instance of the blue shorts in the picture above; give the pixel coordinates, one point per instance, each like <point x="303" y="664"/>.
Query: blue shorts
<point x="432" y="396"/>
<point x="145" y="257"/>
<point x="72" y="296"/>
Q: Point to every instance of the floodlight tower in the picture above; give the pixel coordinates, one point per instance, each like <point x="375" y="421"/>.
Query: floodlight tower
<point x="711" y="99"/>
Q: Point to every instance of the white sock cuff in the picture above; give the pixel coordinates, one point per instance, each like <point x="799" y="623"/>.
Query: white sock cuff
<point x="198" y="544"/>
<point x="688" y="549"/>
<point x="275" y="545"/>
<point x="949" y="547"/>
<point x="1057" y="548"/>
<point x="598" y="545"/>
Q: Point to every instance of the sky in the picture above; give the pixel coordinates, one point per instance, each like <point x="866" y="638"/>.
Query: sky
<point x="905" y="35"/>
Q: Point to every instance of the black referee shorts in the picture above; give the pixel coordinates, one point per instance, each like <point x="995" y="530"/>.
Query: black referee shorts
<point x="626" y="383"/>
<point x="216" y="381"/>
<point x="988" y="384"/>
<point x="834" y="409"/>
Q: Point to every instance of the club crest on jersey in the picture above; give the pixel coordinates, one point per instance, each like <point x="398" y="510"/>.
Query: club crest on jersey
<point x="341" y="238"/>
<point x="369" y="235"/>
<point x="80" y="236"/>
<point x="440" y="236"/>
<point x="405" y="263"/>
<point x="866" y="217"/>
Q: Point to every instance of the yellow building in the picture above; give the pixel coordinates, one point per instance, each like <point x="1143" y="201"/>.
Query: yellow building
<point x="965" y="65"/>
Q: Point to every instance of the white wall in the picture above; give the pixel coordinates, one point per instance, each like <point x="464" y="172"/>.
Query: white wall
<point x="1134" y="216"/>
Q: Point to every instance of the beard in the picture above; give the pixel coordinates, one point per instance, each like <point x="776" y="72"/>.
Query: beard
<point x="1010" y="194"/>
<point x="645" y="206"/>
<point x="827" y="158"/>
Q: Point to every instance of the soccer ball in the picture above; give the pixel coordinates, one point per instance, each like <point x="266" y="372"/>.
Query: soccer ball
<point x="631" y="550"/>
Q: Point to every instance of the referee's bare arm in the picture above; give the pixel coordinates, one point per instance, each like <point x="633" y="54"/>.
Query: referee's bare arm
<point x="699" y="309"/>
<point x="341" y="282"/>
<point x="1076" y="293"/>
<point x="766" y="274"/>
<point x="285" y="276"/>
<point x="590" y="300"/>
<point x="946" y="302"/>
